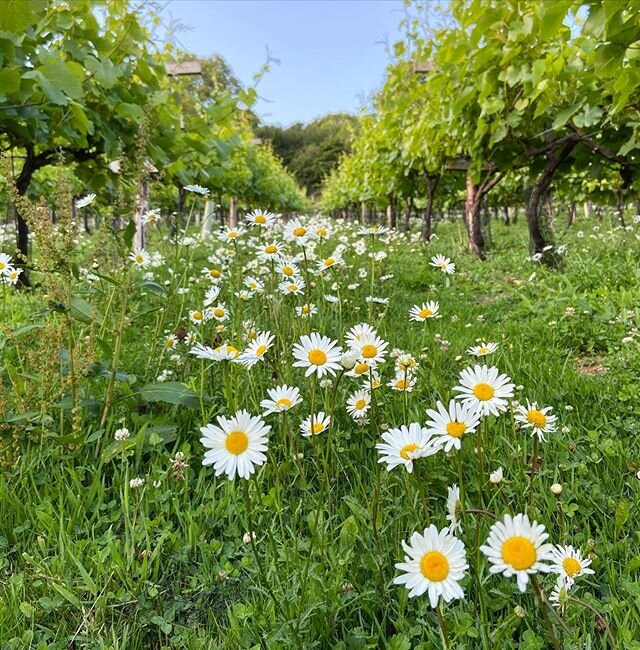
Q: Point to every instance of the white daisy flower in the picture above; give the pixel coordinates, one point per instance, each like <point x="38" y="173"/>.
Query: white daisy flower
<point x="85" y="201"/>
<point x="293" y="286"/>
<point x="223" y="352"/>
<point x="402" y="381"/>
<point x="443" y="263"/>
<point x="140" y="258"/>
<point x="423" y="312"/>
<point x="307" y="310"/>
<point x="358" y="404"/>
<point x="497" y="477"/>
<point x="455" y="509"/>
<point x="360" y="369"/>
<point x="5" y="263"/>
<point x="315" y="424"/>
<point x="317" y="354"/>
<point x="406" y="362"/>
<point x="256" y="349"/>
<point x="294" y="231"/>
<point x="485" y="389"/>
<point x="254" y="284"/>
<point x="270" y="251"/>
<point x="260" y="218"/>
<point x="236" y="445"/>
<point x="370" y="348"/>
<point x="219" y="312"/>
<point x="330" y="262"/>
<point x="536" y="419"/>
<point x="197" y="189"/>
<point x="559" y="596"/>
<point x="230" y="234"/>
<point x="213" y="274"/>
<point x="449" y="425"/>
<point x="569" y="563"/>
<point x="373" y="230"/>
<point x="287" y="266"/>
<point x="196" y="317"/>
<point x="357" y="332"/>
<point x="282" y="398"/>
<point x="435" y="562"/>
<point x="11" y="276"/>
<point x="211" y="295"/>
<point x="482" y="350"/>
<point x="404" y="445"/>
<point x="515" y="547"/>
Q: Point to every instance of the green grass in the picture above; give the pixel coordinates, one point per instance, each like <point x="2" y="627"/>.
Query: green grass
<point x="87" y="562"/>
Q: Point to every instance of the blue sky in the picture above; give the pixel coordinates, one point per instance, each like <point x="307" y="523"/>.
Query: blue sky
<point x="331" y="52"/>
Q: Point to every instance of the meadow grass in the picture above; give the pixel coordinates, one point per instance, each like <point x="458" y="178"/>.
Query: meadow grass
<point x="87" y="561"/>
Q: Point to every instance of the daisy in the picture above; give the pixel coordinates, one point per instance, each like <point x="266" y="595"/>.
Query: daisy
<point x="85" y="201"/>
<point x="283" y="398"/>
<point x="211" y="295"/>
<point x="358" y="404"/>
<point x="315" y="424"/>
<point x="236" y="445"/>
<point x="270" y="251"/>
<point x="372" y="381"/>
<point x="443" y="263"/>
<point x="568" y="563"/>
<point x="373" y="230"/>
<point x="5" y="263"/>
<point x="322" y="232"/>
<point x="260" y="218"/>
<point x="293" y="286"/>
<point x="455" y="509"/>
<point x="307" y="310"/>
<point x="213" y="274"/>
<point x="370" y="348"/>
<point x="422" y="312"/>
<point x="223" y="352"/>
<point x="329" y="262"/>
<point x="485" y="389"/>
<point x="357" y="332"/>
<point x="11" y="276"/>
<point x="538" y="420"/>
<point x="435" y="562"/>
<point x="287" y="266"/>
<point x="294" y="231"/>
<point x="404" y="445"/>
<point x="256" y="350"/>
<point x="317" y="354"/>
<point x="219" y="312"/>
<point x="140" y="258"/>
<point x="170" y="341"/>
<point x="482" y="350"/>
<point x="197" y="189"/>
<point x="196" y="317"/>
<point x="515" y="547"/>
<point x="402" y="381"/>
<point x="152" y="216"/>
<point x="449" y="425"/>
<point x="254" y="284"/>
<point x="406" y="363"/>
<point x="361" y="368"/>
<point x="230" y="234"/>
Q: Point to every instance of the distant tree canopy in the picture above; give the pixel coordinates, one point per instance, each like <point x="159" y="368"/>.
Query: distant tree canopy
<point x="311" y="151"/>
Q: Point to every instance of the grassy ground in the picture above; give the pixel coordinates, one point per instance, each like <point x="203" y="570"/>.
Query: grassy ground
<point x="88" y="562"/>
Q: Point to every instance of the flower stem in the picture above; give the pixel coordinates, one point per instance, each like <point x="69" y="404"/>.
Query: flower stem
<point x="545" y="614"/>
<point x="443" y="626"/>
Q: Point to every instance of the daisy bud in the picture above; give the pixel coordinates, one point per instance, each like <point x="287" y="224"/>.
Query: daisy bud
<point x="519" y="387"/>
<point x="326" y="383"/>
<point x="519" y="611"/>
<point x="349" y="360"/>
<point x="556" y="489"/>
<point x="565" y="429"/>
<point x="496" y="477"/>
<point x="247" y="538"/>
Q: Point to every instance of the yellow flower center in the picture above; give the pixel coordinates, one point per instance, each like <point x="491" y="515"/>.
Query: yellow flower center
<point x="218" y="313"/>
<point x="402" y="384"/>
<point x="483" y="350"/>
<point x="442" y="265"/>
<point x="519" y="552"/>
<point x="233" y="234"/>
<point x="237" y="442"/>
<point x="300" y="232"/>
<point x="329" y="261"/>
<point x="571" y="566"/>
<point x="456" y="429"/>
<point x="4" y="266"/>
<point x="306" y="309"/>
<point x="317" y="427"/>
<point x="287" y="270"/>
<point x="260" y="218"/>
<point x="408" y="449"/>
<point x="283" y="402"/>
<point x="170" y="343"/>
<point x="425" y="313"/>
<point x="537" y="418"/>
<point x="271" y="249"/>
<point x="361" y="368"/>
<point x="483" y="392"/>
<point x="321" y="232"/>
<point x="139" y="259"/>
<point x="214" y="273"/>
<point x="360" y="404"/>
<point x="317" y="357"/>
<point x="197" y="315"/>
<point x="261" y="350"/>
<point x="369" y="351"/>
<point x="293" y="287"/>
<point x="434" y="566"/>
